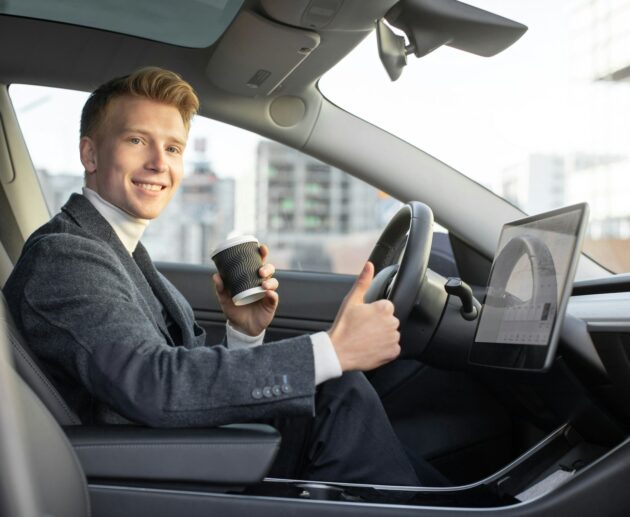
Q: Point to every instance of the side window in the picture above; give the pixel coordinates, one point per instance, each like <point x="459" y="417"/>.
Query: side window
<point x="49" y="119"/>
<point x="313" y="217"/>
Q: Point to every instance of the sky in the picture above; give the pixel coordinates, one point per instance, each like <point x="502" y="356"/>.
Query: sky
<point x="477" y="114"/>
<point x="482" y="114"/>
<point x="473" y="113"/>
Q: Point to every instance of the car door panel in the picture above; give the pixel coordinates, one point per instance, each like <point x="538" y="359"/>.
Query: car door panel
<point x="308" y="301"/>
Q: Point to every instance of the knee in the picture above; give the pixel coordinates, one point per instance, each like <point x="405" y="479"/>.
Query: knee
<point x="351" y="388"/>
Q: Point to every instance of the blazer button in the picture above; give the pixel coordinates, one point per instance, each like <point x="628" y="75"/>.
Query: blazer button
<point x="257" y="393"/>
<point x="276" y="390"/>
<point x="286" y="388"/>
<point x="266" y="391"/>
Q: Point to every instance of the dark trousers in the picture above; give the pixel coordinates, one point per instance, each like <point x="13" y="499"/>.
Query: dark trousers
<point x="350" y="439"/>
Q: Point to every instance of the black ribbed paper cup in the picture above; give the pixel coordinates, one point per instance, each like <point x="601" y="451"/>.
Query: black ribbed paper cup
<point x="238" y="261"/>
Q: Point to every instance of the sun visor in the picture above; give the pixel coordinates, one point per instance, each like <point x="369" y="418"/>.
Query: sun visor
<point x="256" y="55"/>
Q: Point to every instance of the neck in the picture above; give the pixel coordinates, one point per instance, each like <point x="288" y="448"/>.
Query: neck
<point x="129" y="229"/>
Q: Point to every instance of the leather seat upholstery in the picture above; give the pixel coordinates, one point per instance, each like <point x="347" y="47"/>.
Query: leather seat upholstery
<point x="239" y="454"/>
<point x="27" y="366"/>
<point x="45" y="477"/>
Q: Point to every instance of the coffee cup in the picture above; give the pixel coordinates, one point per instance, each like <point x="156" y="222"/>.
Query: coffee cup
<point x="238" y="261"/>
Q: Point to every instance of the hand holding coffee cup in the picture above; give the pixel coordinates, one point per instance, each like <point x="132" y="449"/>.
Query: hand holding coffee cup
<point x="238" y="261"/>
<point x="244" y="278"/>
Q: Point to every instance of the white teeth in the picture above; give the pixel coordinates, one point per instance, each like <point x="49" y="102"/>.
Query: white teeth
<point x="149" y="186"/>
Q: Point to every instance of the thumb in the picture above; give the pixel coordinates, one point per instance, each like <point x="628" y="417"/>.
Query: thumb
<point x="361" y="285"/>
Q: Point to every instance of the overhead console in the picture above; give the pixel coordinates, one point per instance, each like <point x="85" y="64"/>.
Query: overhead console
<point x="256" y="55"/>
<point x="280" y="46"/>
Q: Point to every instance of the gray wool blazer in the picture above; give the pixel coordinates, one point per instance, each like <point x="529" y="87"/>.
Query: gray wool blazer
<point x="94" y="316"/>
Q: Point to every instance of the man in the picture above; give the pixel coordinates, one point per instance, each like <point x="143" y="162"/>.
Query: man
<point x="121" y="343"/>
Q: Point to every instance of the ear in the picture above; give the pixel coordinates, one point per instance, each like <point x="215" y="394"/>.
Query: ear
<point x="87" y="150"/>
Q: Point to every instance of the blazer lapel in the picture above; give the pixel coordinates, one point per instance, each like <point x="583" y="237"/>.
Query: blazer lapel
<point x="159" y="287"/>
<point x="86" y="216"/>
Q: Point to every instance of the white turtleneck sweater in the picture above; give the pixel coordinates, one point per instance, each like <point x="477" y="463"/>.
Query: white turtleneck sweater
<point x="129" y="230"/>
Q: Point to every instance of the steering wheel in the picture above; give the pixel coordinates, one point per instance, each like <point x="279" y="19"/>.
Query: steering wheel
<point x="401" y="257"/>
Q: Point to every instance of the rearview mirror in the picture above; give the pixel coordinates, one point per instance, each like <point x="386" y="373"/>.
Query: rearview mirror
<point x="391" y="50"/>
<point x="429" y="24"/>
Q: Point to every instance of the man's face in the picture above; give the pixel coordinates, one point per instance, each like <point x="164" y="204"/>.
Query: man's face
<point x="135" y="158"/>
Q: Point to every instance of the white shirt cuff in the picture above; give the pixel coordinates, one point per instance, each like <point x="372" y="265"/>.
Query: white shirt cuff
<point x="237" y="339"/>
<point x="326" y="362"/>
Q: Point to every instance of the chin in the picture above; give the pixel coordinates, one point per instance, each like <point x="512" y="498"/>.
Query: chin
<point x="144" y="212"/>
<point x="147" y="215"/>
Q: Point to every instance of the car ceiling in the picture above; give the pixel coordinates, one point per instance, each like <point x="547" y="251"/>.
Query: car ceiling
<point x="271" y="35"/>
<point x="265" y="35"/>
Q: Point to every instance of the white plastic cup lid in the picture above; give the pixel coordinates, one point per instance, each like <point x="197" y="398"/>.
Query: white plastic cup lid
<point x="234" y="241"/>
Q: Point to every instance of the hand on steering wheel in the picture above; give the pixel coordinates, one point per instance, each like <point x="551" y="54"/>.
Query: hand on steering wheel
<point x="365" y="333"/>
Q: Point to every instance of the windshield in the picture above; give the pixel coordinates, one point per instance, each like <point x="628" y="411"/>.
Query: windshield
<point x="157" y="20"/>
<point x="543" y="124"/>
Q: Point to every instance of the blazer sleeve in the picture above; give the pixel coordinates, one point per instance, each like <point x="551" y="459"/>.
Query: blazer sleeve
<point x="81" y="312"/>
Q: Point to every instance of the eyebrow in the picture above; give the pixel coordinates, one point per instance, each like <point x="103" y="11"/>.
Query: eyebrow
<point x="144" y="132"/>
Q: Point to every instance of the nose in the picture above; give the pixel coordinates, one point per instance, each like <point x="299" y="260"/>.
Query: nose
<point x="157" y="161"/>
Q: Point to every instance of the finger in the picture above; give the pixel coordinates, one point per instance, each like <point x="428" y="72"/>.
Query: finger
<point x="267" y="270"/>
<point x="264" y="251"/>
<point x="270" y="284"/>
<point x="271" y="300"/>
<point x="218" y="282"/>
<point x="384" y="305"/>
<point x="394" y="352"/>
<point x="361" y="284"/>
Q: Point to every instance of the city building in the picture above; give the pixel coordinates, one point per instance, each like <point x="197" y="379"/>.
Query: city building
<point x="600" y="37"/>
<point x="599" y="42"/>
<point x="601" y="55"/>
<point x="200" y="215"/>
<point x="308" y="212"/>
<point x="536" y="184"/>
<point x="602" y="183"/>
<point x="58" y="187"/>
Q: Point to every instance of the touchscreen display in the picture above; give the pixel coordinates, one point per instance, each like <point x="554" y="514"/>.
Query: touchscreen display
<point x="529" y="286"/>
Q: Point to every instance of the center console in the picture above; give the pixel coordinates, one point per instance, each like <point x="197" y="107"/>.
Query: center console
<point x="551" y="463"/>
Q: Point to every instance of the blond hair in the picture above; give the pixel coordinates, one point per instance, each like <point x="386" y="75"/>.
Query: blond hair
<point x="152" y="83"/>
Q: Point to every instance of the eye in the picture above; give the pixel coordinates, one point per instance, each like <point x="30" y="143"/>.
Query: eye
<point x="173" y="149"/>
<point x="135" y="140"/>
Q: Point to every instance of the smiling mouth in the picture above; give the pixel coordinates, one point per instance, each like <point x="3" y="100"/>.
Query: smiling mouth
<point x="152" y="187"/>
